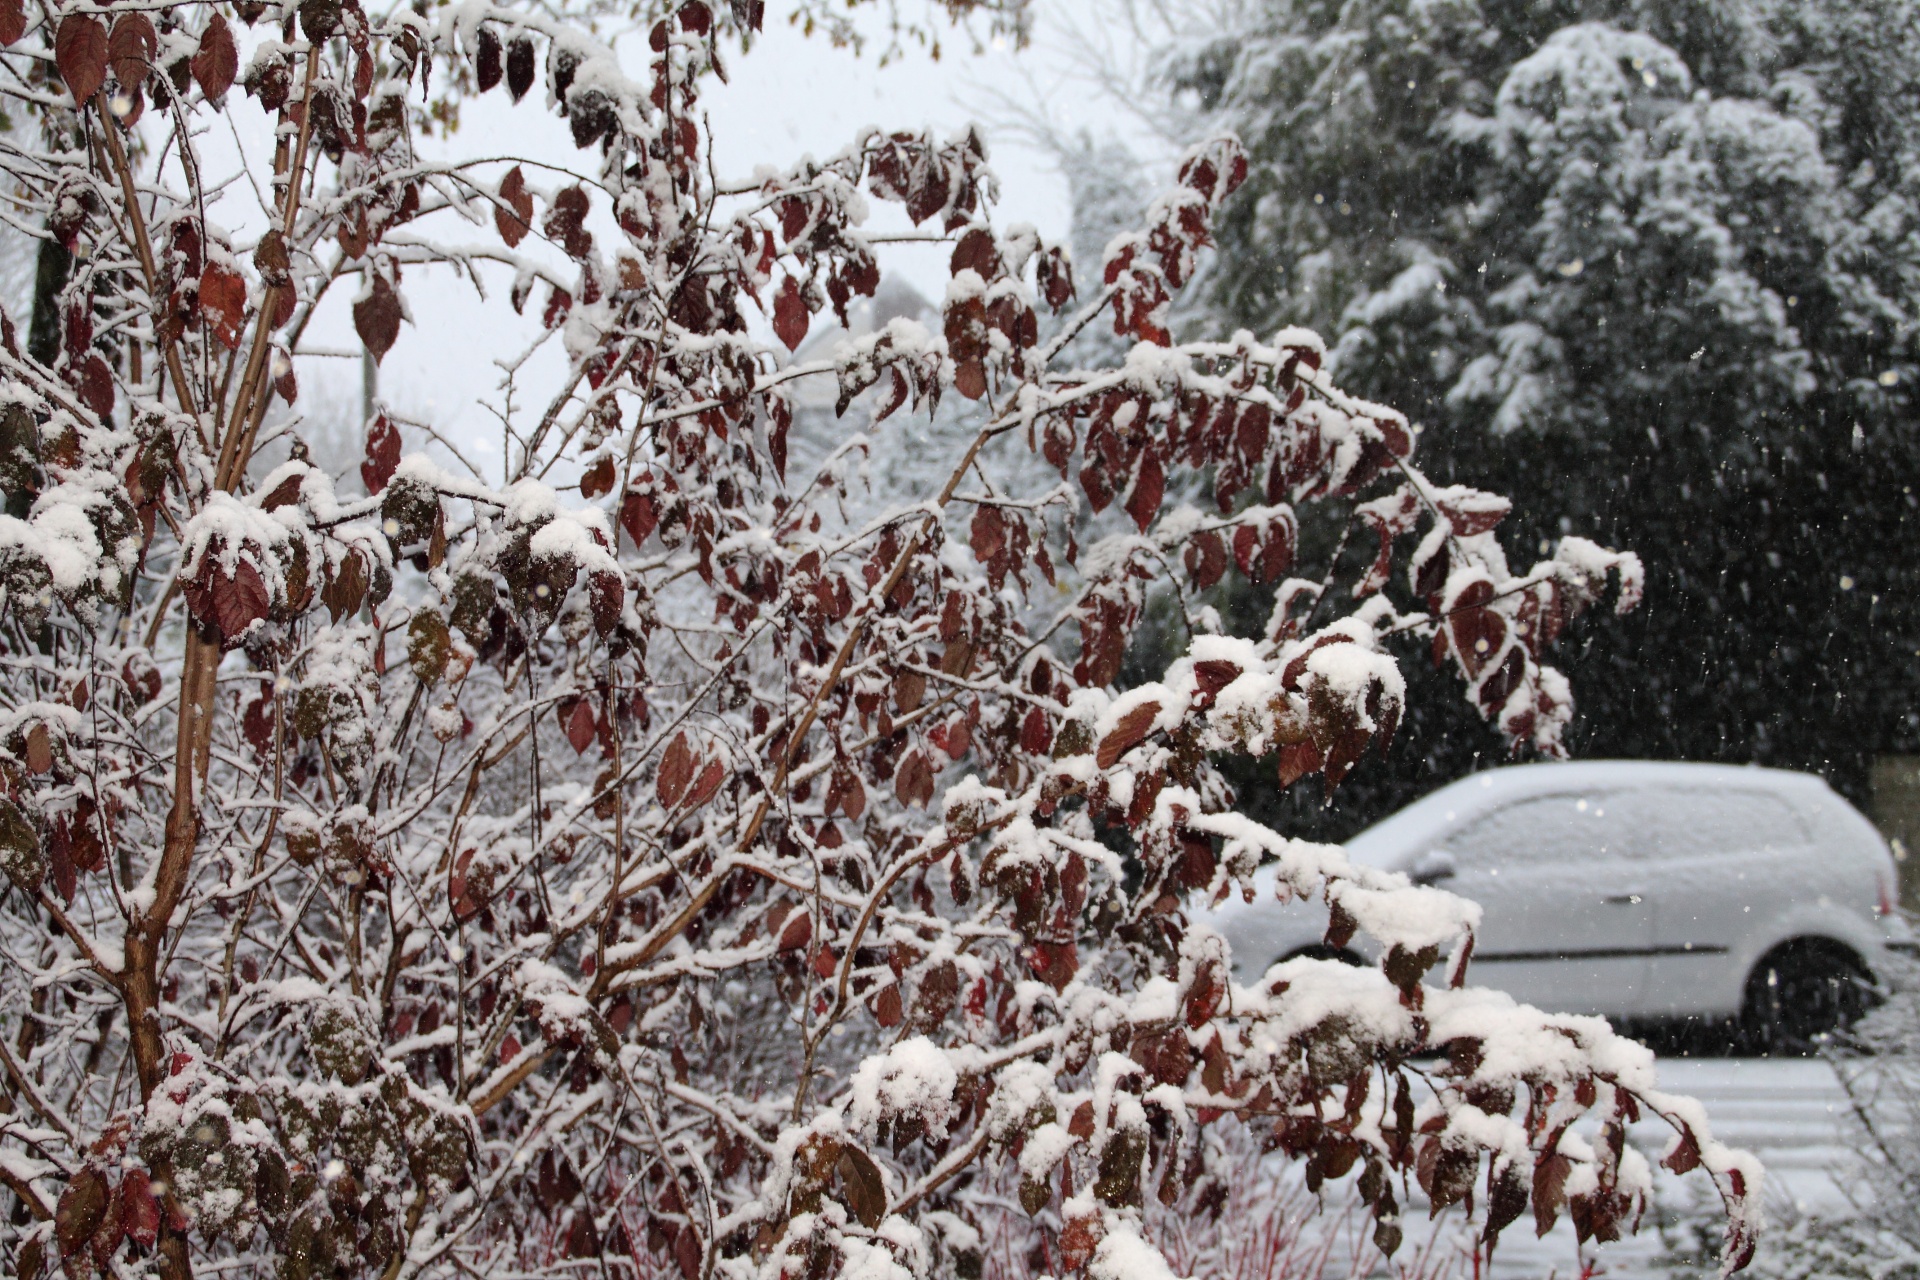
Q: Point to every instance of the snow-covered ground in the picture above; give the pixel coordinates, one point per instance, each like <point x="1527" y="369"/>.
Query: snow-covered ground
<point x="1788" y="1112"/>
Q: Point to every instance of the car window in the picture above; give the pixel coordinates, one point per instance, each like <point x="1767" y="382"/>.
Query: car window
<point x="1680" y="822"/>
<point x="1543" y="831"/>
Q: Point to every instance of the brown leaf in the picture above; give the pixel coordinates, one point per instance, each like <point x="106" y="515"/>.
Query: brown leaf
<point x="676" y="770"/>
<point x="376" y="317"/>
<point x="383" y="453"/>
<point x="1131" y="730"/>
<point x="913" y="780"/>
<point x="1549" y="1190"/>
<point x="346" y="587"/>
<point x="598" y="479"/>
<point x="987" y="535"/>
<point x="520" y="67"/>
<point x="790" y="318"/>
<point x="486" y="59"/>
<point x="566" y="222"/>
<point x="514" y="217"/>
<point x="886" y="1006"/>
<point x="80" y="49"/>
<point x="39" y="749"/>
<point x="223" y="300"/>
<point x="845" y="793"/>
<point x="217" y="61"/>
<point x="866" y="1192"/>
<point x="131" y="48"/>
<point x="13" y="21"/>
<point x="82" y="1207"/>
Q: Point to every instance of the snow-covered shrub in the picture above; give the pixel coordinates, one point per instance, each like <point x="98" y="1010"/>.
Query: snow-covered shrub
<point x="641" y="853"/>
<point x="1876" y="1234"/>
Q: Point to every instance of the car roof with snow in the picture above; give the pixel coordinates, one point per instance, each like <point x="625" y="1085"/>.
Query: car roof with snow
<point x="1387" y="840"/>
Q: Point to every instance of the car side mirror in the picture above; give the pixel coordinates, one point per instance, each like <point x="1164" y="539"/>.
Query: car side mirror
<point x="1433" y="866"/>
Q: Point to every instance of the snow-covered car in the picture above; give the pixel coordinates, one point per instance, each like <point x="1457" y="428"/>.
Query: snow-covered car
<point x="1645" y="892"/>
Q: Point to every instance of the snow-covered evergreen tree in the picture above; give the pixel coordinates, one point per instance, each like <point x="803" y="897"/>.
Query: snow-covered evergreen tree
<point x="1653" y="263"/>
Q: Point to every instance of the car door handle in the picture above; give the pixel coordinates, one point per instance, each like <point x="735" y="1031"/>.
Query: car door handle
<point x="1623" y="899"/>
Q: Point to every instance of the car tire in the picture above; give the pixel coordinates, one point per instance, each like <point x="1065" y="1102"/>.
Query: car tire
<point x="1800" y="995"/>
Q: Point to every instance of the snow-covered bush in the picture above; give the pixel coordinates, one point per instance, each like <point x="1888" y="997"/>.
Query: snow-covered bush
<point x="479" y="877"/>
<point x="1873" y="1232"/>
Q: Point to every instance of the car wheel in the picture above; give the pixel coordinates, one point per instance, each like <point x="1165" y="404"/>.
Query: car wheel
<point x="1800" y="995"/>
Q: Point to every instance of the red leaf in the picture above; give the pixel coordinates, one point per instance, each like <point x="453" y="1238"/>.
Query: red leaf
<point x="696" y="17"/>
<point x="1479" y="634"/>
<point x="1036" y="734"/>
<point x="13" y="21"/>
<point x="1470" y="511"/>
<point x="598" y="479"/>
<point x="1055" y="963"/>
<point x="1149" y="488"/>
<point x="80" y="49"/>
<point x="131" y="48"/>
<point x="1205" y="558"/>
<point x="1297" y="760"/>
<point x="580" y="726"/>
<point x="139" y="1211"/>
<point x="228" y="604"/>
<point x="514" y="218"/>
<point x="1246" y="546"/>
<point x="886" y="1006"/>
<point x="376" y="317"/>
<point x="639" y="515"/>
<point x="709" y="782"/>
<point x="256" y="723"/>
<point x="676" y="770"/>
<point x="217" y="61"/>
<point x="1078" y="1240"/>
<point x="798" y="930"/>
<point x="1132" y="729"/>
<point x="93" y="380"/>
<point x="790" y="319"/>
<point x="383" y="453"/>
<point x="223" y="300"/>
<point x="686" y="1253"/>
